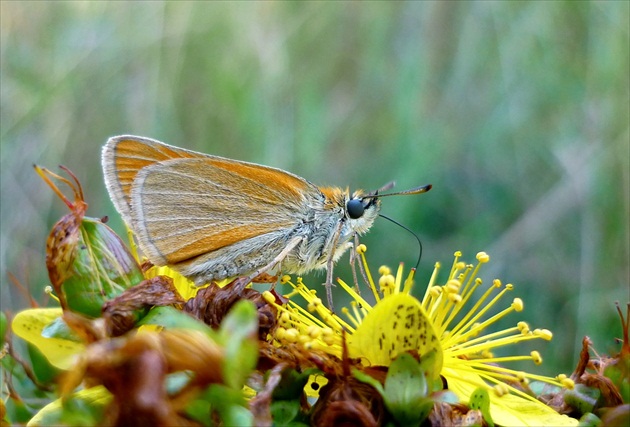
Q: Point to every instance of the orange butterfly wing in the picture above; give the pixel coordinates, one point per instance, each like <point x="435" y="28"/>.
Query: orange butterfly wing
<point x="183" y="204"/>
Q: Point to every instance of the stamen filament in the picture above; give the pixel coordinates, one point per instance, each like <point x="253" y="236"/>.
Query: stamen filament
<point x="377" y="296"/>
<point x="492" y="344"/>
<point x="358" y="298"/>
<point x="482" y="311"/>
<point x="427" y="296"/>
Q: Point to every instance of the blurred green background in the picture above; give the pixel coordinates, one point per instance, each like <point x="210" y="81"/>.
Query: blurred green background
<point x="516" y="112"/>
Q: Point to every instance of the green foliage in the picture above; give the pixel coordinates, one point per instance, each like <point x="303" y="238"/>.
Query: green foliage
<point x="59" y="329"/>
<point x="582" y="398"/>
<point x="229" y="404"/>
<point x="238" y="334"/>
<point x="619" y="375"/>
<point x="284" y="412"/>
<point x="481" y="400"/>
<point x="407" y="389"/>
<point x="590" y="420"/>
<point x="170" y="317"/>
<point x="103" y="269"/>
<point x="28" y="397"/>
<point x="4" y="323"/>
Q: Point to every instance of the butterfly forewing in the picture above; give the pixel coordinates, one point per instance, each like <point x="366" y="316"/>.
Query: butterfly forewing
<point x="124" y="157"/>
<point x="179" y="214"/>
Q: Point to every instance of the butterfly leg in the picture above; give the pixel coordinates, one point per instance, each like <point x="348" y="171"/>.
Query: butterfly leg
<point x="330" y="263"/>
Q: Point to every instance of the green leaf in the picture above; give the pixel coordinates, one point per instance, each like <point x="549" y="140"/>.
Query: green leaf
<point x="26" y="397"/>
<point x="582" y="398"/>
<point x="619" y="374"/>
<point x="284" y="412"/>
<point x="230" y="404"/>
<point x="170" y="318"/>
<point x="103" y="268"/>
<point x="365" y="378"/>
<point x="238" y="333"/>
<point x="406" y="391"/>
<point x="59" y="329"/>
<point x="480" y="399"/>
<point x="17" y="411"/>
<point x="590" y="420"/>
<point x="44" y="371"/>
<point x="240" y="323"/>
<point x="3" y="327"/>
<point x="430" y="365"/>
<point x="199" y="410"/>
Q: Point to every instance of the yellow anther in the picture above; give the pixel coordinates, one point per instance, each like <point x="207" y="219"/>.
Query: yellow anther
<point x="327" y="336"/>
<point x="501" y="389"/>
<point x="268" y="296"/>
<point x="453" y="285"/>
<point x="315" y="302"/>
<point x="291" y="335"/>
<point x="387" y="281"/>
<point x="517" y="304"/>
<point x="545" y="334"/>
<point x="483" y="257"/>
<point x="536" y="357"/>
<point x="455" y="298"/>
<point x="280" y="333"/>
<point x="520" y="376"/>
<point x="313" y="331"/>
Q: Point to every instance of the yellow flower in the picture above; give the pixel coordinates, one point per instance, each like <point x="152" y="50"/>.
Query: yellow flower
<point x="450" y="320"/>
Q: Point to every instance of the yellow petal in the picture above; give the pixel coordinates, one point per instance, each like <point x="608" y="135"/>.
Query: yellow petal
<point x="396" y="324"/>
<point x="29" y="324"/>
<point x="507" y="410"/>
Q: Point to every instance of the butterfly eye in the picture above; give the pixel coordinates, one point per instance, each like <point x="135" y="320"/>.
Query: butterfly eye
<point x="355" y="208"/>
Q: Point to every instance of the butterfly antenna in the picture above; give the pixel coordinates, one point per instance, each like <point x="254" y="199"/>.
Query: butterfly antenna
<point x="412" y="233"/>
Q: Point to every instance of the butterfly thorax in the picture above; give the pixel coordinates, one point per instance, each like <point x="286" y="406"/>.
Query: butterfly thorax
<point x="329" y="231"/>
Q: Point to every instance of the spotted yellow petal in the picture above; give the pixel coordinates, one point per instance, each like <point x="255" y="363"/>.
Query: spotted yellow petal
<point x="29" y="324"/>
<point x="396" y="324"/>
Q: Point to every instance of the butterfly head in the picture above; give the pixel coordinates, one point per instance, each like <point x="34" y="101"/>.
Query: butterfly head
<point x="361" y="210"/>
